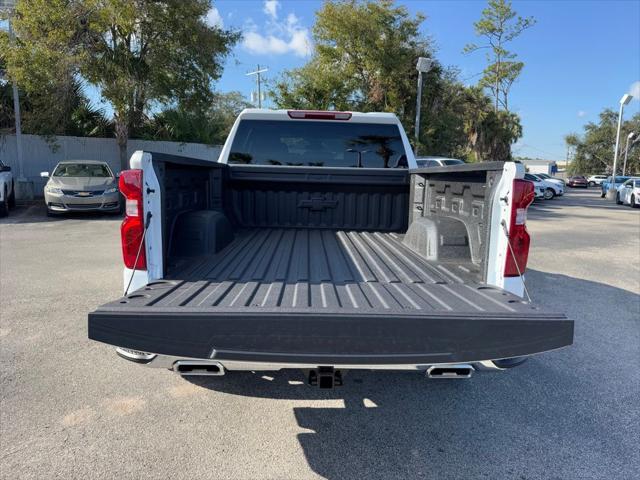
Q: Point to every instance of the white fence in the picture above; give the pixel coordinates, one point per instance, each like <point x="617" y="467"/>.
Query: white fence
<point x="40" y="155"/>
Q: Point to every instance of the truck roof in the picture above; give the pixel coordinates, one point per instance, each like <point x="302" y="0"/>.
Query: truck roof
<point x="354" y="117"/>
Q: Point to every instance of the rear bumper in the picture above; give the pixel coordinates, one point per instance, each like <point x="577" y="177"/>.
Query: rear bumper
<point x="169" y="362"/>
<point x="363" y="340"/>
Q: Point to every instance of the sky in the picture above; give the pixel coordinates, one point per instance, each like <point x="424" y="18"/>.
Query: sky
<point x="580" y="57"/>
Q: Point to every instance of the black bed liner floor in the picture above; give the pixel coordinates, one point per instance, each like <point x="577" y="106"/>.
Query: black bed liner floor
<point x="324" y="269"/>
<point x="327" y="297"/>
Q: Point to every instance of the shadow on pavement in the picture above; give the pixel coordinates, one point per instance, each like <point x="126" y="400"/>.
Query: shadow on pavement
<point x="37" y="213"/>
<point x="541" y="420"/>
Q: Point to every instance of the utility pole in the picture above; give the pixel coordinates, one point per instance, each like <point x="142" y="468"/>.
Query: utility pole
<point x="258" y="73"/>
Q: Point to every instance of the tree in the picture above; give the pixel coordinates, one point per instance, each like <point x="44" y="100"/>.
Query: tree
<point x="365" y="60"/>
<point x="490" y="134"/>
<point x="594" y="150"/>
<point x="210" y="125"/>
<point x="500" y="25"/>
<point x="138" y="53"/>
<point x="59" y="109"/>
<point x="365" y="56"/>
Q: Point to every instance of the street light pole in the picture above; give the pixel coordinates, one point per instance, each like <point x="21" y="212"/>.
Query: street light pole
<point x="18" y="119"/>
<point x="423" y="66"/>
<point x="611" y="191"/>
<point x="626" y="152"/>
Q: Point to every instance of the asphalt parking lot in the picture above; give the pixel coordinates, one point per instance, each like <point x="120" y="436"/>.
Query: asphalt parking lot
<point x="70" y="408"/>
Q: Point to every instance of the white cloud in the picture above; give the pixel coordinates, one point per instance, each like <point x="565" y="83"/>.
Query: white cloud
<point x="634" y="90"/>
<point x="279" y="37"/>
<point x="213" y="18"/>
<point x="581" y="113"/>
<point x="271" y="8"/>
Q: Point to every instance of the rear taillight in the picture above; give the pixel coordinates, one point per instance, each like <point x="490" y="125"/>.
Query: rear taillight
<point x="132" y="228"/>
<point x="523" y="194"/>
<point x="319" y="115"/>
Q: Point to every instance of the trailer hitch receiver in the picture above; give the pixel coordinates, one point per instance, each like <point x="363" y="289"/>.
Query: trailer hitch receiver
<point x="325" y="377"/>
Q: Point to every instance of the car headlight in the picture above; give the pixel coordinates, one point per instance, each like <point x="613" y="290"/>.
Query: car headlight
<point x="111" y="190"/>
<point x="53" y="190"/>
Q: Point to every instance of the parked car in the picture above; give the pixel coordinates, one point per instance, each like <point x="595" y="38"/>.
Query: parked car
<point x="82" y="185"/>
<point x="594" y="180"/>
<point x="629" y="193"/>
<point x="538" y="190"/>
<point x="438" y="161"/>
<point x="292" y="251"/>
<point x="551" y="189"/>
<point x="577" y="181"/>
<point x="549" y="178"/>
<point x="608" y="183"/>
<point x="7" y="190"/>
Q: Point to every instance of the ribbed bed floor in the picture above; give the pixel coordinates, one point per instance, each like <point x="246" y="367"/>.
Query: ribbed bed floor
<point x="324" y="270"/>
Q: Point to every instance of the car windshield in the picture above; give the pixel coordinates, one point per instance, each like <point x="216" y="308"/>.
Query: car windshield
<point x="82" y="170"/>
<point x="452" y="162"/>
<point x="543" y="175"/>
<point x="317" y="144"/>
<point x="618" y="179"/>
<point x="531" y="177"/>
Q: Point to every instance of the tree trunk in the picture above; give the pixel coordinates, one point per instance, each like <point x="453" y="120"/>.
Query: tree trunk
<point x="122" y="134"/>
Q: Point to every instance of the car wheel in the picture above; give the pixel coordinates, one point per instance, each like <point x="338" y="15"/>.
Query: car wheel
<point x="592" y="184"/>
<point x="633" y="202"/>
<point x="4" y="205"/>
<point x="618" y="201"/>
<point x="51" y="213"/>
<point x="12" y="197"/>
<point x="549" y="194"/>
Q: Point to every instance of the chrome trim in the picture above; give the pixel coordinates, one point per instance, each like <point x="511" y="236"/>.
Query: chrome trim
<point x="199" y="363"/>
<point x="135" y="355"/>
<point x="464" y="371"/>
<point x="169" y="362"/>
<point x="487" y="365"/>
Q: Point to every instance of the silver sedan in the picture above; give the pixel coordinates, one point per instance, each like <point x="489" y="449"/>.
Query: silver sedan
<point x="81" y="185"/>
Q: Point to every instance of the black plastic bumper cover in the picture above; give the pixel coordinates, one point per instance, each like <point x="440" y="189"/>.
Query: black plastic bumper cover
<point x="325" y="339"/>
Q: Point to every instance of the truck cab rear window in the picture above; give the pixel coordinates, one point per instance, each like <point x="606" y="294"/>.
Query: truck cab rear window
<point x="318" y="144"/>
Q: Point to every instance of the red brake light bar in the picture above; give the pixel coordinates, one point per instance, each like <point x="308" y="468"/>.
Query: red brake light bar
<point x="319" y="115"/>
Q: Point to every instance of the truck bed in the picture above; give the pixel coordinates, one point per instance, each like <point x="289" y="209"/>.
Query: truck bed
<point x="326" y="296"/>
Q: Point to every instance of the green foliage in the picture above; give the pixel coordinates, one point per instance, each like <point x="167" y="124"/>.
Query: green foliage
<point x="138" y="53"/>
<point x="210" y="126"/>
<point x="499" y="25"/>
<point x="365" y="60"/>
<point x="62" y="109"/>
<point x="594" y="150"/>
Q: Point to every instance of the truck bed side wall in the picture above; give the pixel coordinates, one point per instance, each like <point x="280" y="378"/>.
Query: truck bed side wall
<point x="450" y="212"/>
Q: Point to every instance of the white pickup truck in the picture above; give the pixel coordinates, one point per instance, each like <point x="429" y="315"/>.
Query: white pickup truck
<point x="7" y="190"/>
<point x="316" y="242"/>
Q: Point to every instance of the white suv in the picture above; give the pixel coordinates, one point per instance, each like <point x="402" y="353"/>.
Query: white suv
<point x="594" y="180"/>
<point x="7" y="190"/>
<point x="551" y="189"/>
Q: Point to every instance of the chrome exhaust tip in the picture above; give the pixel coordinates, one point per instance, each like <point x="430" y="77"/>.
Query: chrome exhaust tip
<point x="450" y="371"/>
<point x="198" y="367"/>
